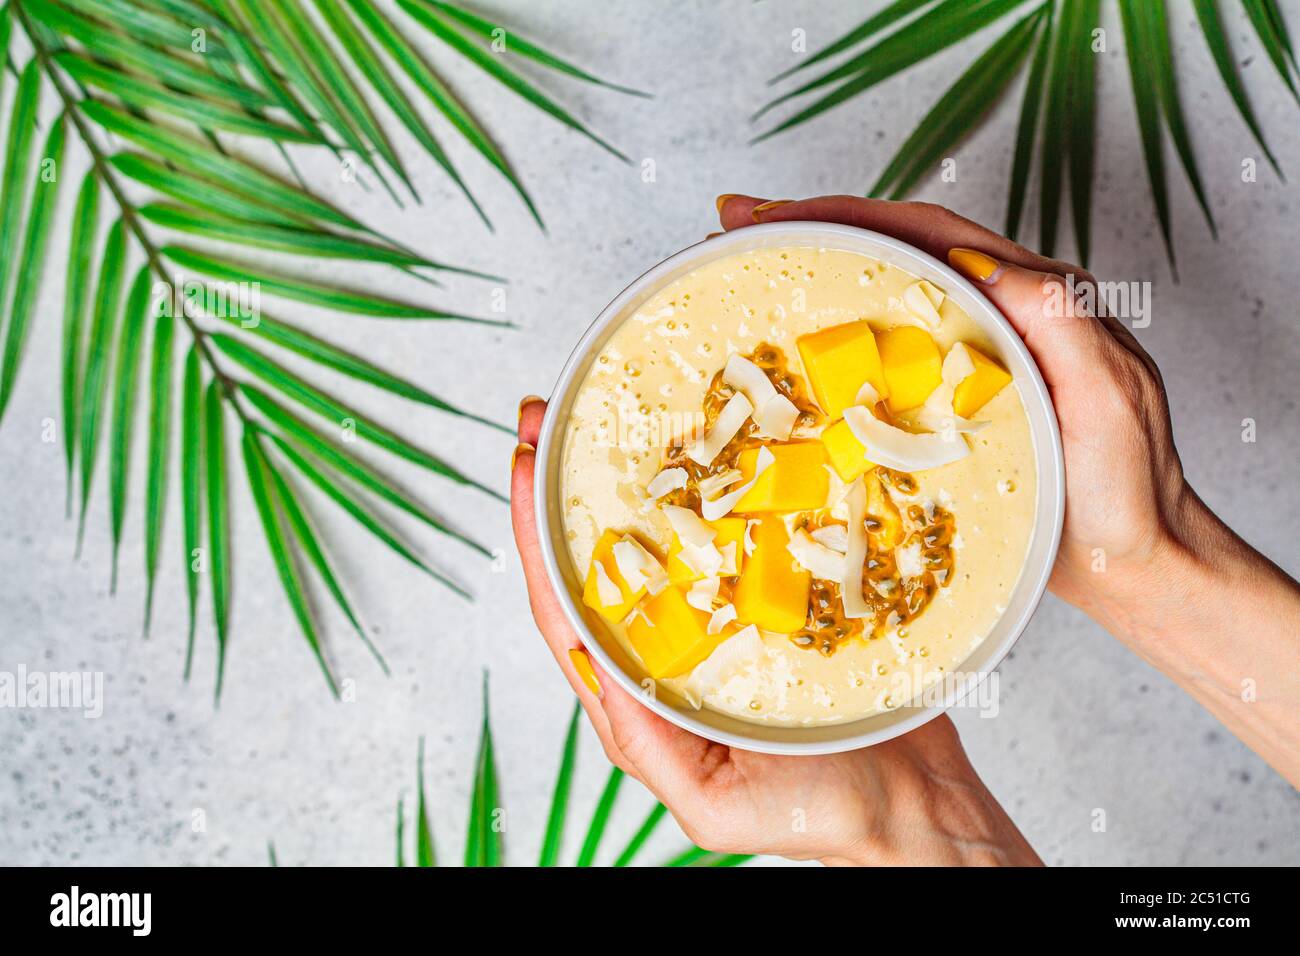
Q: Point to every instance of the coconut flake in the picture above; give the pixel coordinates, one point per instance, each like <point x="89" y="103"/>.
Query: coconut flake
<point x="730" y="420"/>
<point x="609" y="593"/>
<point x="904" y="451"/>
<point x="923" y="300"/>
<point x="639" y="568"/>
<point x="688" y="526"/>
<point x="718" y="507"/>
<point x="855" y="558"/>
<point x="816" y="558"/>
<point x="706" y="561"/>
<point x="670" y="479"/>
<point x="749" y="539"/>
<point x="702" y="594"/>
<point x="908" y="560"/>
<point x="777" y="417"/>
<point x="721" y="618"/>
<point x="773" y="413"/>
<point x="742" y="647"/>
<point x="937" y="413"/>
<point x="730" y="567"/>
<point x="710" y="486"/>
<point x="833" y="536"/>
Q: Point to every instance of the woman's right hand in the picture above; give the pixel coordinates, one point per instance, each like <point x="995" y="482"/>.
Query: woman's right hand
<point x="1140" y="552"/>
<point x="1125" y="494"/>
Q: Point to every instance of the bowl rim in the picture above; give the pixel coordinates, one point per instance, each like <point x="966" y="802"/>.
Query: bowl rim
<point x="898" y="253"/>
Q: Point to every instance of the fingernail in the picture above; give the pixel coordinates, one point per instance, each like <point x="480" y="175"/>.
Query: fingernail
<point x="723" y="200"/>
<point x="526" y="401"/>
<point x="763" y="207"/>
<point x="522" y="448"/>
<point x="974" y="265"/>
<point x="712" y="235"/>
<point x="582" y="664"/>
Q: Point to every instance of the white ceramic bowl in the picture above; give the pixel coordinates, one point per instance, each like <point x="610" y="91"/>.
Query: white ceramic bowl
<point x="1050" y="509"/>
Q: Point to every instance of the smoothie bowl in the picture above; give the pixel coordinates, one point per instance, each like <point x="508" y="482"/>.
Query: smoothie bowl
<point x="799" y="488"/>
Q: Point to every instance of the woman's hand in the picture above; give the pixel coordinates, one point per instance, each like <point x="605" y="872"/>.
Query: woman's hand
<point x="915" y="799"/>
<point x="1140" y="552"/>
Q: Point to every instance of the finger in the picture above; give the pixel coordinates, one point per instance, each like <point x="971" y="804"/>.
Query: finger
<point x="531" y="410"/>
<point x="546" y="608"/>
<point x="669" y="760"/>
<point x="1064" y="338"/>
<point x="736" y="210"/>
<point x="931" y="228"/>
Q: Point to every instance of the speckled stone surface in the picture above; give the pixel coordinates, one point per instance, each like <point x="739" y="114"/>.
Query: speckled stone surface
<point x="163" y="777"/>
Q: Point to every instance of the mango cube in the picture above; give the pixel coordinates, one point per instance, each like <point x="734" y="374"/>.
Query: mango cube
<point x="772" y="592"/>
<point x="981" y="385"/>
<point x="731" y="530"/>
<point x="671" y="637"/>
<point x="847" y="455"/>
<point x="604" y="555"/>
<point x="912" y="365"/>
<point x="838" y="360"/>
<point x="795" y="481"/>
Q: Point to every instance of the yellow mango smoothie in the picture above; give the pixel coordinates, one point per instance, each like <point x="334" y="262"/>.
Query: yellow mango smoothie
<point x="800" y="486"/>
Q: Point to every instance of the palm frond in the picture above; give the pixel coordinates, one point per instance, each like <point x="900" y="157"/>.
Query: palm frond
<point x="160" y="415"/>
<point x="129" y="347"/>
<point x="1060" y="91"/>
<point x="483" y="845"/>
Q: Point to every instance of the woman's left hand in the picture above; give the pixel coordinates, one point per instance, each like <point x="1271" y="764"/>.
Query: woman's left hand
<point x="912" y="800"/>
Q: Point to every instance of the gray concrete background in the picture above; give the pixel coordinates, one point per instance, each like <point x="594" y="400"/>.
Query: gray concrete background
<point x="1083" y="723"/>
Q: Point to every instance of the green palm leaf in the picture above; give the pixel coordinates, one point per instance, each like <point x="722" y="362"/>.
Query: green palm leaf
<point x="517" y="44"/>
<point x="45" y="193"/>
<point x="560" y="798"/>
<point x="483" y="843"/>
<point x="173" y="70"/>
<point x="424" y="850"/>
<point x="600" y="818"/>
<point x="329" y="452"/>
<point x="1140" y="62"/>
<point x="191" y="464"/>
<point x="642" y="834"/>
<point x="320" y="403"/>
<point x="103" y="325"/>
<point x="356" y="45"/>
<point x="269" y="511"/>
<point x="1082" y="102"/>
<point x="214" y="456"/>
<point x="196" y="192"/>
<point x="347" y="500"/>
<point x="22" y="124"/>
<point x="208" y="113"/>
<point x="318" y="350"/>
<point x="1027" y="128"/>
<point x="235" y="174"/>
<point x="937" y="29"/>
<point x="1267" y="21"/>
<point x="310" y="545"/>
<point x="288" y="238"/>
<point x="128" y="363"/>
<point x="959" y="110"/>
<point x="1207" y="13"/>
<point x="488" y="63"/>
<point x="327" y="297"/>
<point x="147" y="25"/>
<point x="1156" y="20"/>
<point x="81" y="251"/>
<point x="405" y="55"/>
<point x="874" y="24"/>
<point x="160" y="412"/>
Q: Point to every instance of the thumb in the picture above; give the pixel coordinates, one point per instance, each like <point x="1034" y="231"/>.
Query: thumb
<point x="1061" y="332"/>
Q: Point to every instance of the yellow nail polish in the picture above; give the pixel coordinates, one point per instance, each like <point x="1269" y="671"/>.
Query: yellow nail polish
<point x="723" y="199"/>
<point x="582" y="664"/>
<point x="763" y="207"/>
<point x="973" y="264"/>
<point x="525" y="402"/>
<point x="524" y="447"/>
